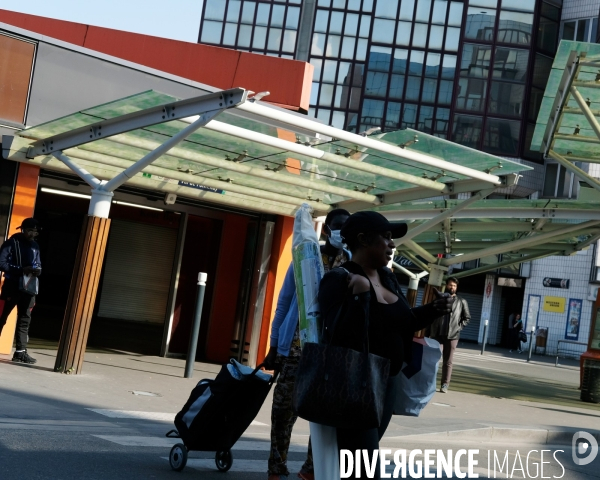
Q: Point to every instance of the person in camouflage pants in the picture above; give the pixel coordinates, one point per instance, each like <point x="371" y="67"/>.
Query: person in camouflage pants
<point x="284" y="354"/>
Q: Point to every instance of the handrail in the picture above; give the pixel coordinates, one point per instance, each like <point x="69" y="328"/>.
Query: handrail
<point x="572" y="342"/>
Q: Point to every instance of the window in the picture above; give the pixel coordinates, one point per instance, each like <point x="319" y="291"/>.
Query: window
<point x="583" y="30"/>
<point x="558" y="182"/>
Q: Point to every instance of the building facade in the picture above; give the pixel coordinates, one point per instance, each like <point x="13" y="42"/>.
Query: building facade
<point x="471" y="71"/>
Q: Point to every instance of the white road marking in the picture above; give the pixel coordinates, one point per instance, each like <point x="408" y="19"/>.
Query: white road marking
<point x="240" y="465"/>
<point x="155" y="416"/>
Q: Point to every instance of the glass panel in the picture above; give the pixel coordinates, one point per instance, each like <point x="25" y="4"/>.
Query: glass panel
<point x="397" y="86"/>
<point x="353" y="4"/>
<point x="484" y="3"/>
<point x="449" y="66"/>
<point x="337" y="20"/>
<point x="321" y="21"/>
<point x="439" y="12"/>
<point x="344" y="73"/>
<point x="318" y="64"/>
<point x="475" y="61"/>
<point x="568" y="31"/>
<point x="318" y="44"/>
<point x="392" y="117"/>
<point x="215" y="10"/>
<point x="386" y="9"/>
<point x="548" y="35"/>
<point x="417" y="59"/>
<point x="262" y="14"/>
<point x="515" y="28"/>
<point x="436" y="37"/>
<point x="326" y="95"/>
<point x="293" y="18"/>
<point x="337" y="119"/>
<point x="425" y="119"/>
<point x="452" y="37"/>
<point x="455" y="15"/>
<point x="480" y="23"/>
<point x="233" y="11"/>
<point x="467" y="130"/>
<point x="383" y="31"/>
<point x="541" y="70"/>
<point x="211" y="32"/>
<point x="583" y="30"/>
<point x="277" y="15"/>
<point x="361" y="49"/>
<point x="423" y="11"/>
<point x="367" y="5"/>
<point x="372" y="113"/>
<point x="351" y="27"/>
<point x="550" y="11"/>
<point x="260" y="37"/>
<point x="365" y="26"/>
<point x="536" y="96"/>
<point x="274" y="39"/>
<point x="432" y="66"/>
<point x="521" y="5"/>
<point x="400" y="61"/>
<point x="323" y="114"/>
<point x="506" y="99"/>
<point x="289" y="41"/>
<point x="324" y="3"/>
<point x="230" y="33"/>
<point x="348" y="47"/>
<point x="314" y="93"/>
<point x="501" y="137"/>
<point x="248" y="12"/>
<point x="413" y="85"/>
<point x="442" y="117"/>
<point x="379" y="59"/>
<point x="429" y="90"/>
<point x="333" y="46"/>
<point x="510" y="64"/>
<point x="420" y="35"/>
<point x="376" y="84"/>
<point x="403" y="33"/>
<point x="244" y="36"/>
<point x="407" y="8"/>
<point x="329" y="70"/>
<point x="471" y="94"/>
<point x="409" y="116"/>
<point x="339" y="4"/>
<point x="445" y="93"/>
<point x="341" y="97"/>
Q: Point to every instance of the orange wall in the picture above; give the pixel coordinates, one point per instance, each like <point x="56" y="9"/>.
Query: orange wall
<point x="289" y="81"/>
<point x="23" y="206"/>
<point x="281" y="257"/>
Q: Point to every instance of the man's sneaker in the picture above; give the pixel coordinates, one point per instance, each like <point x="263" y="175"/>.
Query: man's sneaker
<point x="444" y="388"/>
<point x="519" y="351"/>
<point x="23" y="357"/>
<point x="306" y="476"/>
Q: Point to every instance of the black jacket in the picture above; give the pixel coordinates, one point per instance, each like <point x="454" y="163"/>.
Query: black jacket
<point x="459" y="319"/>
<point x="350" y="328"/>
<point x="9" y="261"/>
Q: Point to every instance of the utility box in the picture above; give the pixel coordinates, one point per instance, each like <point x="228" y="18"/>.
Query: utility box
<point x="541" y="337"/>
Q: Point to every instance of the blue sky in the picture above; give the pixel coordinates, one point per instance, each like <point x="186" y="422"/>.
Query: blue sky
<point x="176" y="19"/>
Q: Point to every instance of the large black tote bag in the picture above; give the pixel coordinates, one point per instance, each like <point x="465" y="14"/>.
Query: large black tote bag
<point x="341" y="387"/>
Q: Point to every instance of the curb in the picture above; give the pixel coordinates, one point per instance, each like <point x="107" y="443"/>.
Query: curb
<point x="503" y="433"/>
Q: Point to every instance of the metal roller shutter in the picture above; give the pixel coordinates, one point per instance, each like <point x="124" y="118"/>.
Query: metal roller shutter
<point x="137" y="275"/>
<point x="471" y="332"/>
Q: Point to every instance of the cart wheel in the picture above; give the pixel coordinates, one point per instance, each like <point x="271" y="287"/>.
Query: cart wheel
<point x="224" y="460"/>
<point x="178" y="457"/>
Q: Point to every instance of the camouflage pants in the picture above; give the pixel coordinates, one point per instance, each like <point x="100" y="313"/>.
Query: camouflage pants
<point x="282" y="414"/>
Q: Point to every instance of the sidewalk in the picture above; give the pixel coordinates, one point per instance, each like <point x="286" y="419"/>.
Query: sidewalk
<point x="496" y="397"/>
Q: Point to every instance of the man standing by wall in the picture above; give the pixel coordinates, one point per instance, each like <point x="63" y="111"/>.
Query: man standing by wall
<point x="446" y="330"/>
<point x="19" y="257"/>
<point x="284" y="354"/>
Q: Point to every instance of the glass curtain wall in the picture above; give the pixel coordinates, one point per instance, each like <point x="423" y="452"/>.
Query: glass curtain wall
<point x="267" y="27"/>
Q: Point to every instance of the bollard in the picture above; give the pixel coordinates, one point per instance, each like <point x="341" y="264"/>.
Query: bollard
<point x="485" y="330"/>
<point x="530" y="344"/>
<point x="191" y="356"/>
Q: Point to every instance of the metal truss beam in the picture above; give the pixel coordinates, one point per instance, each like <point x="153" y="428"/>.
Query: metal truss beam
<point x="589" y="115"/>
<point x="213" y="102"/>
<point x="413" y="258"/>
<point x="575" y="170"/>
<point x="561" y="213"/>
<point x="505" y="263"/>
<point x="420" y="251"/>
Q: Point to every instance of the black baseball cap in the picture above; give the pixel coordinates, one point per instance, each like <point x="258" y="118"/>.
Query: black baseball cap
<point x="29" y="223"/>
<point x="367" y="222"/>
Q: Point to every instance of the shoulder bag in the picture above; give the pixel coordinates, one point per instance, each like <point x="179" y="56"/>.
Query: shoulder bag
<point x="28" y="284"/>
<point x="341" y="387"/>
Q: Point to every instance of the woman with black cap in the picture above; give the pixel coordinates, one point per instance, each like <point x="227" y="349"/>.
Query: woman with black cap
<point x="365" y="290"/>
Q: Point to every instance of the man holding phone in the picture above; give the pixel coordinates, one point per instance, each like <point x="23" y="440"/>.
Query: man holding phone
<point x="20" y="262"/>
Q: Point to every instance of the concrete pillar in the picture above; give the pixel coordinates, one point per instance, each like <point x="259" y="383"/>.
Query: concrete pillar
<point x="82" y="295"/>
<point x="490" y="310"/>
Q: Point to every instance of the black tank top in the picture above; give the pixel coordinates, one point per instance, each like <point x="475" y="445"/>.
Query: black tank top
<point x="386" y="332"/>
